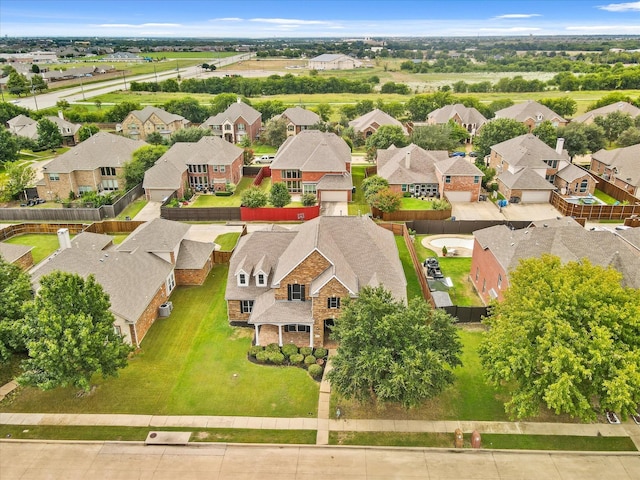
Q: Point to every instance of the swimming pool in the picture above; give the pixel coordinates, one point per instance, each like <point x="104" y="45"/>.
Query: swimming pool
<point x="453" y="242"/>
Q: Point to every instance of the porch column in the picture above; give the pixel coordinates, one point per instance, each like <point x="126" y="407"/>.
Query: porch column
<point x="257" y="328"/>
<point x="280" y="335"/>
<point x="311" y="336"/>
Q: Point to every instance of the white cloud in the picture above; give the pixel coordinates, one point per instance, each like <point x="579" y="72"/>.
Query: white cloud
<point x="227" y="19"/>
<point x="517" y="15"/>
<point x="290" y="21"/>
<point x="621" y="7"/>
<point x="141" y="25"/>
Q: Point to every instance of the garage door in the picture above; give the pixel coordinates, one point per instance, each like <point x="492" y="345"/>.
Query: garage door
<point x="334" y="196"/>
<point x="458" y="196"/>
<point x="158" y="195"/>
<point x="535" y="196"/>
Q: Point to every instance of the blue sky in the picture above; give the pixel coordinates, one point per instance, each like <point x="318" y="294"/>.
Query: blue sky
<point x="316" y="18"/>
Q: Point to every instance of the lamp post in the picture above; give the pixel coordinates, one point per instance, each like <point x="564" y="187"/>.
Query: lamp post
<point x="33" y="91"/>
<point x="124" y="79"/>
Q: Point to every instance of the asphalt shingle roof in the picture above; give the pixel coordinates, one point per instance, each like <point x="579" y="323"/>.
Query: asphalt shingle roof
<point x="376" y="118"/>
<point x="301" y="116"/>
<point x="624" y="107"/>
<point x="468" y="115"/>
<point x="529" y="109"/>
<point x="233" y="113"/>
<point x="626" y="160"/>
<point x="313" y="151"/>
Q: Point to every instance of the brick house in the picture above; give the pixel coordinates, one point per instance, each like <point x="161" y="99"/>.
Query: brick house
<point x="27" y="127"/>
<point x="315" y="162"/>
<point x="369" y="123"/>
<point x="623" y="107"/>
<point x="424" y="173"/>
<point x="467" y="117"/>
<point x="238" y="121"/>
<point x="94" y="165"/>
<point x="299" y="119"/>
<point x="209" y="163"/>
<point x="498" y="250"/>
<point x="139" y="274"/>
<point x="139" y="124"/>
<point x="620" y="166"/>
<point x="19" y="255"/>
<point x="531" y="114"/>
<point x="289" y="284"/>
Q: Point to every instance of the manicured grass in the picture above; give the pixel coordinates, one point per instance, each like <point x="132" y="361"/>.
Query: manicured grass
<point x="227" y="241"/>
<point x="139" y="434"/>
<point x="118" y="238"/>
<point x="600" y="195"/>
<point x="260" y="149"/>
<point x="133" y="209"/>
<point x="358" y="205"/>
<point x="11" y="369"/>
<point x="410" y="203"/>
<point x="191" y="363"/>
<point x="210" y="200"/>
<point x="43" y="244"/>
<point x="203" y="55"/>
<point x="413" y="284"/>
<point x="489" y="441"/>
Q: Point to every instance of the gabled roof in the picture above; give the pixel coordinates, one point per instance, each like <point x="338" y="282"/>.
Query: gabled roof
<point x="301" y="116"/>
<point x="266" y="310"/>
<point x="330" y="57"/>
<point x="458" y="167"/>
<point x="193" y="255"/>
<point x="524" y="179"/>
<point x="313" y="151"/>
<point x="625" y="160"/>
<point x="468" y="115"/>
<point x="572" y="172"/>
<point x="335" y="182"/>
<point x="11" y="252"/>
<point x="158" y="235"/>
<point x="20" y="121"/>
<point x="28" y="127"/>
<point x="624" y="107"/>
<point x="410" y="164"/>
<point x="527" y="151"/>
<point x="376" y="118"/>
<point x="101" y="150"/>
<point x="144" y="115"/>
<point x="529" y="109"/>
<point x="233" y="113"/>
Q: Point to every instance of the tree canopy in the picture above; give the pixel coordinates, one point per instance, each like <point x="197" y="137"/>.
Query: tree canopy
<point x="69" y="334"/>
<point x="18" y="177"/>
<point x="497" y="131"/>
<point x="49" y="136"/>
<point x="275" y="132"/>
<point x="8" y="146"/>
<point x="614" y="124"/>
<point x="143" y="159"/>
<point x="254" y="197"/>
<point x="15" y="291"/>
<point x="386" y="136"/>
<point x="566" y="338"/>
<point x="279" y="195"/>
<point x="391" y="352"/>
<point x="437" y="137"/>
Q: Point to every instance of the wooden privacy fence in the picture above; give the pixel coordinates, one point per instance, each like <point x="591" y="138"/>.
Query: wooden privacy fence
<point x="127" y="226"/>
<point x="411" y="215"/>
<point x="50" y="228"/>
<point x="594" y="212"/>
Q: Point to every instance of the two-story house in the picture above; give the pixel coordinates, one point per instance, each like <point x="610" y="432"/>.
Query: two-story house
<point x="620" y="166"/>
<point x="468" y="118"/>
<point x="94" y="165"/>
<point x="369" y="123"/>
<point x="531" y="114"/>
<point x="27" y="127"/>
<point x="139" y="124"/>
<point x="238" y="121"/>
<point x="622" y="107"/>
<point x="290" y="284"/>
<point x="299" y="119"/>
<point x="210" y="163"/>
<point x="315" y="162"/>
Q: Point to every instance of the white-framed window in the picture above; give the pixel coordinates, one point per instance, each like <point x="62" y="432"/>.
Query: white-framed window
<point x="243" y="281"/>
<point x="171" y="283"/>
<point x="261" y="280"/>
<point x="246" y="306"/>
<point x="584" y="185"/>
<point x="333" y="302"/>
<point x="108" y="171"/>
<point x="550" y="178"/>
<point x="476" y="179"/>
<point x="447" y="179"/>
<point x="54" y="177"/>
<point x="297" y="328"/>
<point x="499" y="281"/>
<point x="309" y="188"/>
<point x="295" y="291"/>
<point x="227" y="127"/>
<point x="242" y="127"/>
<point x="290" y="128"/>
<point x="118" y="330"/>
<point x="110" y="184"/>
<point x="222" y="168"/>
<point x="84" y="189"/>
<point x="405" y="188"/>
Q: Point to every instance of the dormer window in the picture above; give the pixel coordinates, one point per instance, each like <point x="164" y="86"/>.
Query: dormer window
<point x="333" y="302"/>
<point x="261" y="280"/>
<point x="242" y="280"/>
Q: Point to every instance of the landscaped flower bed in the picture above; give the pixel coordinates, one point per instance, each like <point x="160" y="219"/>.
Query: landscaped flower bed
<point x="312" y="360"/>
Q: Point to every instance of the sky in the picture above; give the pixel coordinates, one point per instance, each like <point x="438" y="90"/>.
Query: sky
<point x="315" y="18"/>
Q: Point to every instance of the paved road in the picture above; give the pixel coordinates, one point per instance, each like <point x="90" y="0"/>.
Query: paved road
<point x="125" y="461"/>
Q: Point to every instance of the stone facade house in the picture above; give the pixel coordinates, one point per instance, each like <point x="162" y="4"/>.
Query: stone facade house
<point x="331" y="61"/>
<point x="139" y="274"/>
<point x="94" y="165"/>
<point x="424" y="173"/>
<point x="623" y="107"/>
<point x="531" y="114"/>
<point x="139" y="124"/>
<point x="315" y="162"/>
<point x="497" y="251"/>
<point x="620" y="166"/>
<point x="19" y="255"/>
<point x="467" y="117"/>
<point x="299" y="119"/>
<point x="290" y="284"/>
<point x="369" y="123"/>
<point x="238" y="121"/>
<point x="27" y="127"/>
<point x="208" y="164"/>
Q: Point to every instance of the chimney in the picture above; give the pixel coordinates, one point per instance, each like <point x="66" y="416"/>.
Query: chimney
<point x="407" y="160"/>
<point x="60" y="114"/>
<point x="238" y="100"/>
<point x="64" y="239"/>
<point x="559" y="146"/>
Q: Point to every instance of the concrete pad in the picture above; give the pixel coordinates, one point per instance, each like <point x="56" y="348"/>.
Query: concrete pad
<point x="395" y="463"/>
<point x="268" y="423"/>
<point x="463" y="465"/>
<point x="516" y="466"/>
<point x="282" y="424"/>
<point x="179" y="464"/>
<point x="220" y="422"/>
<point x="167" y="438"/>
<point x="333" y="462"/>
<point x="267" y="459"/>
<point x="150" y="211"/>
<point x="334" y="209"/>
<point x="254" y="422"/>
<point x="322" y="437"/>
<point x="586" y="467"/>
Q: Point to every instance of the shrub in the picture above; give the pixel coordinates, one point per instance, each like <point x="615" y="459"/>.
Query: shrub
<point x="309" y="360"/>
<point x="220" y="193"/>
<point x="253" y="197"/>
<point x="255" y="349"/>
<point x="289" y="349"/>
<point x="296" y="359"/>
<point x="320" y="353"/>
<point x="309" y="200"/>
<point x="315" y="371"/>
<point x="230" y="187"/>
<point x="262" y="356"/>
<point x="272" y="347"/>
<point x="276" y="358"/>
<point x="306" y="351"/>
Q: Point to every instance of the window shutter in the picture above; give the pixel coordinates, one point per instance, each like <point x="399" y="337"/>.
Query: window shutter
<point x="302" y="294"/>
<point x="289" y="292"/>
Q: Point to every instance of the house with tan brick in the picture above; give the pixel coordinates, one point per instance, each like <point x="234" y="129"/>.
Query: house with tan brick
<point x="139" y="274"/>
<point x="315" y="162"/>
<point x="468" y="118"/>
<point x="369" y="123"/>
<point x="298" y="119"/>
<point x="210" y="163"/>
<point x="94" y="165"/>
<point x="238" y="121"/>
<point x="139" y="124"/>
<point x="498" y="250"/>
<point x="19" y="255"/>
<point x="429" y="173"/>
<point x="290" y="284"/>
<point x="620" y="166"/>
<point x="27" y="127"/>
<point x="531" y="114"/>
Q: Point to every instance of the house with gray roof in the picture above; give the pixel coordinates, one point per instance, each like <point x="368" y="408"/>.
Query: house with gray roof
<point x="620" y="166"/>
<point x="429" y="173"/>
<point x="333" y="61"/>
<point x="298" y="119"/>
<point x="468" y="118"/>
<point x="289" y="284"/>
<point x="498" y="250"/>
<point x="19" y="255"/>
<point x="208" y="164"/>
<point x="623" y="107"/>
<point x="27" y="127"/>
<point x="139" y="274"/>
<point x="315" y="162"/>
<point x="94" y="165"/>
<point x="238" y="121"/>
<point x="531" y="114"/>
<point x="139" y="124"/>
<point x="369" y="123"/>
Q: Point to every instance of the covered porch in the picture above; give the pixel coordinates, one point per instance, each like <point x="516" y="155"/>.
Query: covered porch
<point x="299" y="335"/>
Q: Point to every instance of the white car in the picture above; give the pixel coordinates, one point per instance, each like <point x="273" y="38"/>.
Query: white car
<point x="265" y="159"/>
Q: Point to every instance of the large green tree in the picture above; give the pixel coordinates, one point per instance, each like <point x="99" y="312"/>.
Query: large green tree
<point x="384" y="137"/>
<point x="436" y="137"/>
<point x="17" y="84"/>
<point x="391" y="352"/>
<point x="87" y="131"/>
<point x="191" y="134"/>
<point x="188" y="108"/>
<point x="279" y="196"/>
<point x="254" y="197"/>
<point x="497" y="131"/>
<point x="119" y="112"/>
<point x="18" y="176"/>
<point x="275" y="132"/>
<point x="565" y="337"/>
<point x="8" y="146"/>
<point x="580" y="139"/>
<point x="15" y="291"/>
<point x="372" y="185"/>
<point x="142" y="160"/>
<point x="563" y="106"/>
<point x="547" y="132"/>
<point x="70" y="335"/>
<point x="631" y="136"/>
<point x="614" y="124"/>
<point x="49" y="136"/>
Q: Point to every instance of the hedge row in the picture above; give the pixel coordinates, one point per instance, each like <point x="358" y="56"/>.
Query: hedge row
<point x="289" y="354"/>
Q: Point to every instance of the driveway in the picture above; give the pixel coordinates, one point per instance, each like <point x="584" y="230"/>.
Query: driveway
<point x="334" y="209"/>
<point x="150" y="211"/>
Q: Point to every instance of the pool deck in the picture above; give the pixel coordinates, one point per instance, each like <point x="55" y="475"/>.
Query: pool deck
<point x="459" y="251"/>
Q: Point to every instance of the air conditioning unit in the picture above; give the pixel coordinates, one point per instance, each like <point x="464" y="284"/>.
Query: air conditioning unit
<point x="164" y="310"/>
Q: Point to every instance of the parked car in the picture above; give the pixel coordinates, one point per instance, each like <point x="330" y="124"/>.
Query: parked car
<point x="265" y="159"/>
<point x="623" y="227"/>
<point x="473" y="154"/>
<point x="458" y="154"/>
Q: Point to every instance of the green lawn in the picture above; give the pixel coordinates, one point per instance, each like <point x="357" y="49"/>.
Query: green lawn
<point x="209" y="200"/>
<point x="118" y="238"/>
<point x="133" y="208"/>
<point x="191" y="363"/>
<point x="413" y="284"/>
<point x="358" y="205"/>
<point x="227" y="241"/>
<point x="43" y="244"/>
<point x="600" y="195"/>
<point x="410" y="203"/>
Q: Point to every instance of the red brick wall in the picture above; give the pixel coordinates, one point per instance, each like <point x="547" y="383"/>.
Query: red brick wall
<point x="25" y="262"/>
<point x="461" y="184"/>
<point x="193" y="277"/>
<point x="304" y="273"/>
<point x="149" y="315"/>
<point x="487" y="269"/>
<point x="320" y="311"/>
